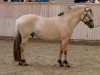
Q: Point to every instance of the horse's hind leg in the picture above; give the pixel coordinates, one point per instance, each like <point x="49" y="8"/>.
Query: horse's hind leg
<point x="22" y="48"/>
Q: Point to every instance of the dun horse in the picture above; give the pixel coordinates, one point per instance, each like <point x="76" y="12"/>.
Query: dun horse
<point x="58" y="28"/>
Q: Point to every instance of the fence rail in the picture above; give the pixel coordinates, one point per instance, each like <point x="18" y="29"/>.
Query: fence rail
<point x="9" y="12"/>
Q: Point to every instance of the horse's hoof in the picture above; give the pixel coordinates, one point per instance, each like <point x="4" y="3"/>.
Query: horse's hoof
<point x="20" y="64"/>
<point x="61" y="65"/>
<point x="67" y="65"/>
<point x="25" y="64"/>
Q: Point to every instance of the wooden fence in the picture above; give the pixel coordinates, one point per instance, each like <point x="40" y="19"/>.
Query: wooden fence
<point x="9" y="12"/>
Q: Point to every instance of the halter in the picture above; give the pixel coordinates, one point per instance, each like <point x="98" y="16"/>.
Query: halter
<point x="86" y="9"/>
<point x="86" y="21"/>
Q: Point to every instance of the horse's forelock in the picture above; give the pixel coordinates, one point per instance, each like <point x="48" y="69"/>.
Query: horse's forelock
<point x="88" y="10"/>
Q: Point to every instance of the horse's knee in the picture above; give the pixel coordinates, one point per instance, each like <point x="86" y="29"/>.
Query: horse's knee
<point x="65" y="52"/>
<point x="61" y="51"/>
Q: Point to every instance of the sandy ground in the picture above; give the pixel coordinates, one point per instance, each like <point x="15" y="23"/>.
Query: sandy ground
<point x="42" y="58"/>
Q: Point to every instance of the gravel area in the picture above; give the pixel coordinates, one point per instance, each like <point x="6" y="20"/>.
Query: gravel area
<point x="42" y="59"/>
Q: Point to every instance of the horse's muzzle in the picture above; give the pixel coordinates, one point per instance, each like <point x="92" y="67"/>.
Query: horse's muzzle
<point x="90" y="24"/>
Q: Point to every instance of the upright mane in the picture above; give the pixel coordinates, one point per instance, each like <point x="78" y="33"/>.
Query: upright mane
<point x="71" y="8"/>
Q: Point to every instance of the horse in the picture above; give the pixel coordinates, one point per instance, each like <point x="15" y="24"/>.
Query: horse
<point x="59" y="28"/>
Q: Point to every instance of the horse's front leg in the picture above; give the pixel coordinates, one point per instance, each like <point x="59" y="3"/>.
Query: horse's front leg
<point x="60" y="56"/>
<point x="22" y="61"/>
<point x="65" y="45"/>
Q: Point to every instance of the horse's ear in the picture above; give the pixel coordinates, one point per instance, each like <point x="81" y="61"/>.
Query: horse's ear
<point x="62" y="13"/>
<point x="91" y="12"/>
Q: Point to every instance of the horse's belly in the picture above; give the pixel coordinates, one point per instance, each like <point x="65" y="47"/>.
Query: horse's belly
<point x="48" y="35"/>
<point x="49" y="38"/>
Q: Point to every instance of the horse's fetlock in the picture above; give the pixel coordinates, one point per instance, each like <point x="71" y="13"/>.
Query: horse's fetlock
<point x="23" y="60"/>
<point x="65" y="62"/>
<point x="60" y="63"/>
<point x="22" y="63"/>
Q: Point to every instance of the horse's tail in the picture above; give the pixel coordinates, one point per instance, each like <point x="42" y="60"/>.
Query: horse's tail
<point x="16" y="48"/>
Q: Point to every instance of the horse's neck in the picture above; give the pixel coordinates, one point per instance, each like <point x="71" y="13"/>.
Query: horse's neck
<point x="74" y="19"/>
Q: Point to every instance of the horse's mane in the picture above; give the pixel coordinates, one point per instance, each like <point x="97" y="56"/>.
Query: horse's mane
<point x="71" y="8"/>
<point x="66" y="9"/>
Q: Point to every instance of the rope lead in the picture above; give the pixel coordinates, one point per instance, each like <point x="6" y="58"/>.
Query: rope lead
<point x="97" y="26"/>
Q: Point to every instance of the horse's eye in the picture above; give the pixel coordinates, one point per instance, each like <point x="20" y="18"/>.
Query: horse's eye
<point x="86" y="14"/>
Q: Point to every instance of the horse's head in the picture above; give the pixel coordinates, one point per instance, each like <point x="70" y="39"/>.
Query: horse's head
<point x="87" y="17"/>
